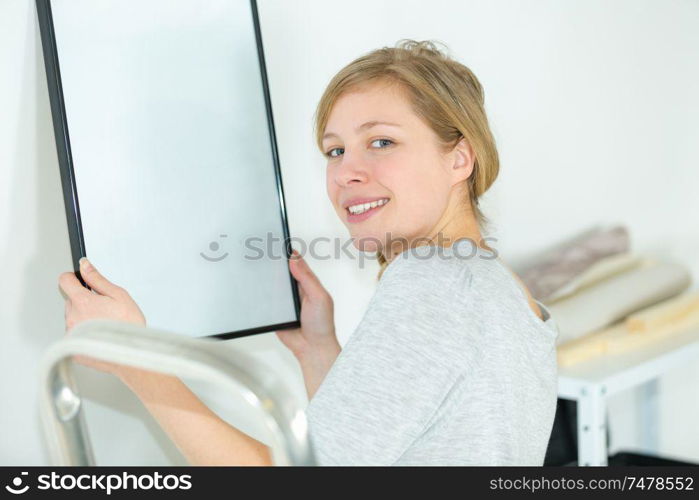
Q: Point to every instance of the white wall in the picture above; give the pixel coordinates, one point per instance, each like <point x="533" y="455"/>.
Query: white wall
<point x="594" y="108"/>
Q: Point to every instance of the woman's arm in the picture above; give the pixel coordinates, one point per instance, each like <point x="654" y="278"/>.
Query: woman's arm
<point x="203" y="437"/>
<point x="200" y="435"/>
<point x="314" y="344"/>
<point x="315" y="365"/>
<point x="198" y="432"/>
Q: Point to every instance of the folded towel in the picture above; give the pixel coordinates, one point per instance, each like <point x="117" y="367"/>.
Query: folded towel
<point x="657" y="323"/>
<point x="614" y="298"/>
<point x="600" y="270"/>
<point x="560" y="265"/>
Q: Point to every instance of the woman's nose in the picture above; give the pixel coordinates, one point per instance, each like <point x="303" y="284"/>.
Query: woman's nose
<point x="350" y="170"/>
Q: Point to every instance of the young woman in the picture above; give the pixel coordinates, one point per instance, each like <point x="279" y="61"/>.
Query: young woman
<point x="453" y="362"/>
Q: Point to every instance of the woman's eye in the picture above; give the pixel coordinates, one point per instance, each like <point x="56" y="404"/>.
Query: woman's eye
<point x="383" y="141"/>
<point x="330" y="153"/>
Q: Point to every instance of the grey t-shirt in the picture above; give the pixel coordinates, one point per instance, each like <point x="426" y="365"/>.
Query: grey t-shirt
<point x="448" y="366"/>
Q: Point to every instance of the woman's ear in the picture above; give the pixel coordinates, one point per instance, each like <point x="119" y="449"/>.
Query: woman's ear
<point x="464" y="160"/>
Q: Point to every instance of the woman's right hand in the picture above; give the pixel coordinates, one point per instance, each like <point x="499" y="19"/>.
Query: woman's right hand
<point x="317" y="332"/>
<point x="105" y="301"/>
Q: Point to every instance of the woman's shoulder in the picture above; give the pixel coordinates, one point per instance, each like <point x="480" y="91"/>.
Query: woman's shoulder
<point x="440" y="267"/>
<point x="469" y="277"/>
<point x="430" y="284"/>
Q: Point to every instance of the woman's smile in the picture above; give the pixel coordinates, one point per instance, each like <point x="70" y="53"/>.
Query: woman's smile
<point x="362" y="211"/>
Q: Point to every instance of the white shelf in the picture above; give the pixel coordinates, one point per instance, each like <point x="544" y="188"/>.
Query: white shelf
<point x="590" y="382"/>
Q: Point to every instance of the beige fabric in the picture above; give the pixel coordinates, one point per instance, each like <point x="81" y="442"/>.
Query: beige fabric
<point x="670" y="317"/>
<point x="616" y="297"/>
<point x="560" y="265"/>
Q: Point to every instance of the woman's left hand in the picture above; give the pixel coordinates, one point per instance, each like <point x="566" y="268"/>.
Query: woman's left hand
<point x="316" y="335"/>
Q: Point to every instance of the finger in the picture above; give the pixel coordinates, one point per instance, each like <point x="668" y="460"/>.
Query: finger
<point x="302" y="292"/>
<point x="96" y="281"/>
<point x="71" y="286"/>
<point x="293" y="267"/>
<point x="306" y="277"/>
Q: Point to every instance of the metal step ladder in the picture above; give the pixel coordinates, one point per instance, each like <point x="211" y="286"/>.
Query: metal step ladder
<point x="169" y="353"/>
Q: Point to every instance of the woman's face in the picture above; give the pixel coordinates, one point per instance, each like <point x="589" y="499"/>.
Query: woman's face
<point x="396" y="164"/>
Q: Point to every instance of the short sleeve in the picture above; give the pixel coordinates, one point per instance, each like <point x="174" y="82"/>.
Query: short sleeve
<point x="397" y="366"/>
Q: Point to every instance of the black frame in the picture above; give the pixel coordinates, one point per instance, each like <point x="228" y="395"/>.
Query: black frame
<point x="65" y="159"/>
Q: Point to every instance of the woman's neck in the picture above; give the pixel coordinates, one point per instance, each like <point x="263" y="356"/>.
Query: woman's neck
<point x="458" y="222"/>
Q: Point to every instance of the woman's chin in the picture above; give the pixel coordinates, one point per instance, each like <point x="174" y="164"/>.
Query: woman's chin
<point x="368" y="244"/>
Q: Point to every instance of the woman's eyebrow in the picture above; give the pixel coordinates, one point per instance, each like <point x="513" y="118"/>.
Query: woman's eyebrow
<point x="363" y="126"/>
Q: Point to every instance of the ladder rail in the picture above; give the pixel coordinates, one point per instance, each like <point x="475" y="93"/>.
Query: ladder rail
<point x="170" y="353"/>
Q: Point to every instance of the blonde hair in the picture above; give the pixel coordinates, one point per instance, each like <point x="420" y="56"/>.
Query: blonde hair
<point x="442" y="91"/>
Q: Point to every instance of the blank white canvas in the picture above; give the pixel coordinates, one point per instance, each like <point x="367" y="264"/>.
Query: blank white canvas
<point x="173" y="159"/>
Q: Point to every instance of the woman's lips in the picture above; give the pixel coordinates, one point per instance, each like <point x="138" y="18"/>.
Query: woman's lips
<point x="352" y="218"/>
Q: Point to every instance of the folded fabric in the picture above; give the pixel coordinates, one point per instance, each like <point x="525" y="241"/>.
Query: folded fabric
<point x="666" y="313"/>
<point x="616" y="297"/>
<point x="600" y="270"/>
<point x="648" y="327"/>
<point x="560" y="265"/>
